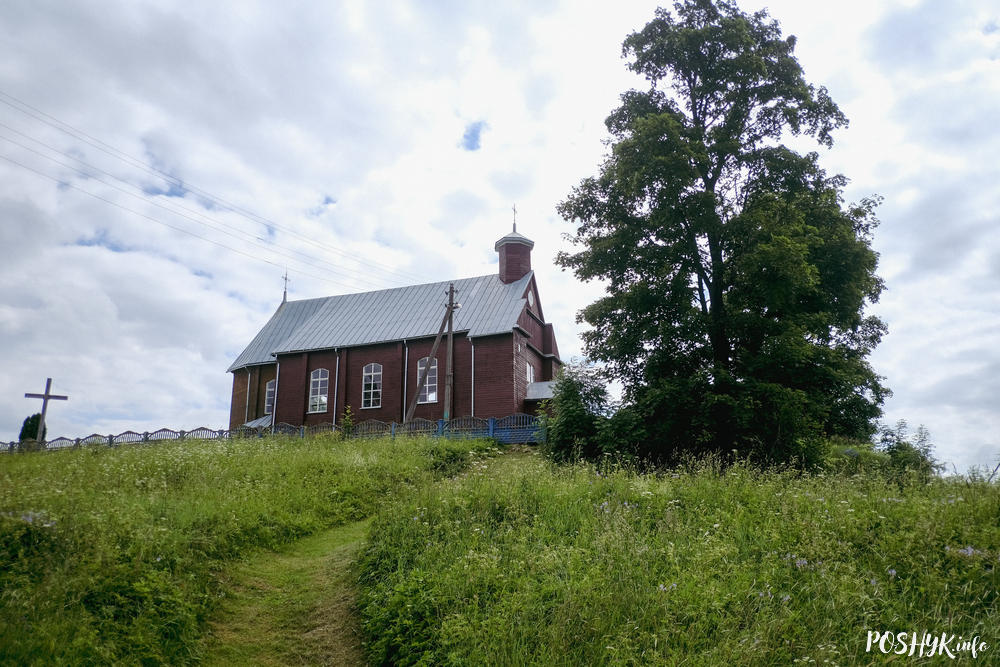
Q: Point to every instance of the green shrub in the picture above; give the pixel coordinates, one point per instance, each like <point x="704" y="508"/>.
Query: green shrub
<point x="29" y="429"/>
<point x="347" y="422"/>
<point x="574" y="416"/>
<point x="909" y="458"/>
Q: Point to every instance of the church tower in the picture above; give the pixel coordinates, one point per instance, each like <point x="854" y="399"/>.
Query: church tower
<point x="515" y="256"/>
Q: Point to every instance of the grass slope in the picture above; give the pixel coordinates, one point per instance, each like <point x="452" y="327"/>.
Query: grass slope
<point x="292" y="606"/>
<point x="522" y="562"/>
<point x="114" y="555"/>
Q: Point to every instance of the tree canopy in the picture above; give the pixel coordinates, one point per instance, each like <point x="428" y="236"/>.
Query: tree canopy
<point x="737" y="277"/>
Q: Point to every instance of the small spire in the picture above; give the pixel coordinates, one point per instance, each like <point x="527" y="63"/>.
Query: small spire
<point x="514" y="208"/>
<point x="284" y="296"/>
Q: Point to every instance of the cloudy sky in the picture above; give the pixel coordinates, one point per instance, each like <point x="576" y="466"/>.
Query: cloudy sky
<point x="162" y="164"/>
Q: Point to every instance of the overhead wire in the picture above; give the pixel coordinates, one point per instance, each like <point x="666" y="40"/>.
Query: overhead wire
<point x="211" y="223"/>
<point x="63" y="183"/>
<point x="29" y="110"/>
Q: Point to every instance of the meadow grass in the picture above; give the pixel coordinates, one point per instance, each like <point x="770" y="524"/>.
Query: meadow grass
<point x="291" y="606"/>
<point x="524" y="562"/>
<point x="114" y="555"/>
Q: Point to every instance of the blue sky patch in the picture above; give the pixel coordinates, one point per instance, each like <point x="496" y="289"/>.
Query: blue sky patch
<point x="101" y="239"/>
<point x="470" y="140"/>
<point x="327" y="202"/>
<point x="175" y="188"/>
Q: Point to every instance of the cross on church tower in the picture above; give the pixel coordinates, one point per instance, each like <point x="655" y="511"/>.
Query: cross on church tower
<point x="46" y="397"/>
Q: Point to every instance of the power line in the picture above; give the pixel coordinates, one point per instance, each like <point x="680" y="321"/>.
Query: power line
<point x="404" y="277"/>
<point x="166" y="224"/>
<point x="80" y="135"/>
<point x="211" y="224"/>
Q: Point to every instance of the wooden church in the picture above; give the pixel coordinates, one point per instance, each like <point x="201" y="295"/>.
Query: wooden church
<point x="315" y="357"/>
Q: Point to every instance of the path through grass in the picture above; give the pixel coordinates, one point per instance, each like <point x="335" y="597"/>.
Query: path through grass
<point x="119" y="555"/>
<point x="293" y="606"/>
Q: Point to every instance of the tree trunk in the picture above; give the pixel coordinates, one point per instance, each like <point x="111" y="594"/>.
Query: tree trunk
<point x="717" y="314"/>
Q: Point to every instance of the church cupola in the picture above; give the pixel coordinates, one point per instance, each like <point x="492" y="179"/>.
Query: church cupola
<point x="515" y="256"/>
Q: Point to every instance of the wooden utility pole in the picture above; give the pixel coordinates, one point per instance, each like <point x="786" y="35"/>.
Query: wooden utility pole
<point x="46" y="397"/>
<point x="445" y="322"/>
<point x="450" y="370"/>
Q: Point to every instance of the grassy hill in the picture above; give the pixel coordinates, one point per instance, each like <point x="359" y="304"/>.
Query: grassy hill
<point x="111" y="555"/>
<point x="534" y="564"/>
<point x="123" y="555"/>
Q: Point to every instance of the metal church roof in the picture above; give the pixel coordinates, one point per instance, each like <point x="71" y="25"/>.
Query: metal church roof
<point x="488" y="307"/>
<point x="286" y="320"/>
<point x="514" y="237"/>
<point x="260" y="422"/>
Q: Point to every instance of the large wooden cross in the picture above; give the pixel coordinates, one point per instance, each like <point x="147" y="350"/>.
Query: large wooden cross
<point x="46" y="397"/>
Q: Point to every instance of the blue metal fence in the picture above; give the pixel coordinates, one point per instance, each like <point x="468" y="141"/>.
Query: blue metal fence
<point x="519" y="428"/>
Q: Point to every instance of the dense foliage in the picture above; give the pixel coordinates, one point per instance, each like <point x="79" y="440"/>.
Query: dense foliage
<point x="523" y="562"/>
<point x="574" y="417"/>
<point x="29" y="429"/>
<point x="736" y="275"/>
<point x="909" y="456"/>
<point x="112" y="556"/>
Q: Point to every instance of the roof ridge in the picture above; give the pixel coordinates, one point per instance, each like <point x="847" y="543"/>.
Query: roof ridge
<point x="392" y="289"/>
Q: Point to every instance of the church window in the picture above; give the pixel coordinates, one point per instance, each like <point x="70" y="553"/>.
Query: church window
<point x="429" y="393"/>
<point x="269" y="396"/>
<point x="530" y="372"/>
<point x="371" y="386"/>
<point x="319" y="386"/>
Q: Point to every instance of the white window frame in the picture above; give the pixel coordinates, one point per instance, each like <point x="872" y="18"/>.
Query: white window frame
<point x="529" y="372"/>
<point x="429" y="393"/>
<point x="319" y="391"/>
<point x="371" y="386"/>
<point x="269" y="396"/>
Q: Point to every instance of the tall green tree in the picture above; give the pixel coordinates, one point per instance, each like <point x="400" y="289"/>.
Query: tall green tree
<point x="736" y="275"/>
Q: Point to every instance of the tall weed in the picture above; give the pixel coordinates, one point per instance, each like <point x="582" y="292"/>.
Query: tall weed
<point x="527" y="562"/>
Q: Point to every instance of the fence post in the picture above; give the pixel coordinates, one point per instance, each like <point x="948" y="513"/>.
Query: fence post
<point x="181" y="435"/>
<point x="392" y="431"/>
<point x="491" y="426"/>
<point x="302" y="432"/>
<point x="440" y="430"/>
<point x="145" y="436"/>
<point x="111" y="440"/>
